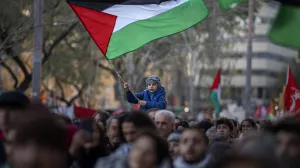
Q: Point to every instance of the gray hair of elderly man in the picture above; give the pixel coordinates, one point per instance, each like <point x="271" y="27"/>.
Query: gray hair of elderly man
<point x="168" y="114"/>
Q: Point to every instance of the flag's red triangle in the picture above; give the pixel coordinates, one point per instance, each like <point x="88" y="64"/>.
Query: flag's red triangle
<point x="100" y="25"/>
<point x="217" y="81"/>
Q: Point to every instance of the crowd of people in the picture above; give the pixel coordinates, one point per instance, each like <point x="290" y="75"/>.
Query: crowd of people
<point x="33" y="137"/>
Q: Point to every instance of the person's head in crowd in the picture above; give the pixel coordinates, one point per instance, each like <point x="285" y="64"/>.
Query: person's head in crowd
<point x="11" y="104"/>
<point x="235" y="131"/>
<point x="122" y="118"/>
<point x="148" y="151"/>
<point x="113" y="132"/>
<point x="260" y="144"/>
<point x="153" y="83"/>
<point x="265" y="125"/>
<point x="31" y="113"/>
<point x="65" y="120"/>
<point x="38" y="142"/>
<point x="152" y="112"/>
<point x="287" y="133"/>
<point x="90" y="136"/>
<point x="224" y="128"/>
<point x="210" y="133"/>
<point x="183" y="125"/>
<point x="173" y="141"/>
<point x="204" y="125"/>
<point x="248" y="125"/>
<point x="193" y="145"/>
<point x="177" y="122"/>
<point x="164" y="121"/>
<point x="135" y="123"/>
<point x="32" y="110"/>
<point x="100" y="118"/>
<point x="220" y="150"/>
<point x="193" y="123"/>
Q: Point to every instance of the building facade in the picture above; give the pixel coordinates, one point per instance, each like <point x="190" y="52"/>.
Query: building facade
<point x="268" y="62"/>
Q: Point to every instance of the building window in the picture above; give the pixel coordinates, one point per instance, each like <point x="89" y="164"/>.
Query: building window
<point x="260" y="93"/>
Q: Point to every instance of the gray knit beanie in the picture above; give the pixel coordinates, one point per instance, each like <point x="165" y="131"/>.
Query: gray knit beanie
<point x="174" y="136"/>
<point x="153" y="78"/>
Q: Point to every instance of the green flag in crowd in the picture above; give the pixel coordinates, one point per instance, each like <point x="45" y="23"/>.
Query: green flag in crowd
<point x="226" y="4"/>
<point x="285" y="29"/>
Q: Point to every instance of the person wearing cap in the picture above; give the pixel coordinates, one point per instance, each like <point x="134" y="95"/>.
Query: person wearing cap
<point x="173" y="141"/>
<point x="152" y="97"/>
<point x="11" y="103"/>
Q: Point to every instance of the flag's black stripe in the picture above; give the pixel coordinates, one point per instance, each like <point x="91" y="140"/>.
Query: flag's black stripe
<point x="290" y="2"/>
<point x="101" y="5"/>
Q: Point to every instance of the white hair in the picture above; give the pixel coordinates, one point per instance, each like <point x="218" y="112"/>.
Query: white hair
<point x="168" y="114"/>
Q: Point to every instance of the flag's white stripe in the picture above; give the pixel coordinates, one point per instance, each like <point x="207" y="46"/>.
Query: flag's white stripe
<point x="127" y="14"/>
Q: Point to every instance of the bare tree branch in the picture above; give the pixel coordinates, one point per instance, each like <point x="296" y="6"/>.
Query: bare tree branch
<point x="11" y="72"/>
<point x="63" y="35"/>
<point x="110" y="70"/>
<point x="61" y="88"/>
<point x="80" y="91"/>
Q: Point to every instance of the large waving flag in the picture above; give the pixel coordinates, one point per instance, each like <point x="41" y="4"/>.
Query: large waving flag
<point x="292" y="93"/>
<point x="121" y="26"/>
<point x="215" y="93"/>
<point x="285" y="29"/>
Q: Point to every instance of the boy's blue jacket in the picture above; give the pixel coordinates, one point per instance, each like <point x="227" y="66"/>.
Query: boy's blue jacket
<point x="158" y="99"/>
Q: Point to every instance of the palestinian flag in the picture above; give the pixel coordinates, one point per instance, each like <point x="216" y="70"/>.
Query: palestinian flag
<point x="215" y="93"/>
<point x="285" y="29"/>
<point x="121" y="26"/>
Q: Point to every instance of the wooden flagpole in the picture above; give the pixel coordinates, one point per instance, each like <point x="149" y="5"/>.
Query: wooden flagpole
<point x="122" y="79"/>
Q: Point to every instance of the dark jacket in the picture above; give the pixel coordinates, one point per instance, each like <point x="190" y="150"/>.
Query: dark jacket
<point x="116" y="161"/>
<point x="88" y="158"/>
<point x="158" y="99"/>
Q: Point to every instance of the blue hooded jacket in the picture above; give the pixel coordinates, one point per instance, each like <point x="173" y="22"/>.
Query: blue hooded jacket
<point x="154" y="100"/>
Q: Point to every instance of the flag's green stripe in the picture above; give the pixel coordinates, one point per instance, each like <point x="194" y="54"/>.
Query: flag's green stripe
<point x="285" y="29"/>
<point x="226" y="4"/>
<point x="141" y="32"/>
<point x="214" y="98"/>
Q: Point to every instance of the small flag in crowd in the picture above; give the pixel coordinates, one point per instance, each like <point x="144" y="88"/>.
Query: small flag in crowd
<point x="292" y="93"/>
<point x="271" y="113"/>
<point x="118" y="27"/>
<point x="79" y="112"/>
<point x="285" y="29"/>
<point x="226" y="4"/>
<point x="215" y="93"/>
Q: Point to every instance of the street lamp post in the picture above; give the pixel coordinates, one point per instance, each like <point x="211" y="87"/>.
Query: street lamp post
<point x="38" y="48"/>
<point x="249" y="57"/>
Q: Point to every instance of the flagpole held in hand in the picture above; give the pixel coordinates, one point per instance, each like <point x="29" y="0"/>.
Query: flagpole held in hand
<point x="123" y="81"/>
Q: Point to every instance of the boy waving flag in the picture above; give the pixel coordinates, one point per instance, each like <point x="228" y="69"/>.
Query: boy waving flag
<point x="121" y="26"/>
